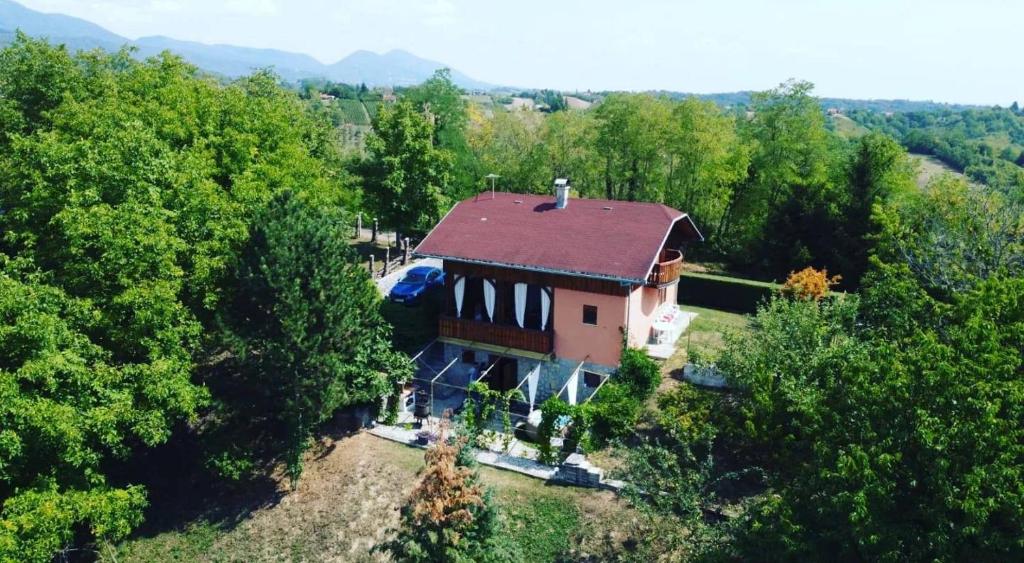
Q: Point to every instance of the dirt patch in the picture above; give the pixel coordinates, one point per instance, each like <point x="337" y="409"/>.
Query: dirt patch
<point x="349" y="497"/>
<point x="346" y="500"/>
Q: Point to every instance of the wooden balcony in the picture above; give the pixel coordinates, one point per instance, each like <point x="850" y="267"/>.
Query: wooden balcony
<point x="508" y="336"/>
<point x="666" y="271"/>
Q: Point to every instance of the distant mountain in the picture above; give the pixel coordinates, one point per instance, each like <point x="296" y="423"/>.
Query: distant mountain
<point x="234" y="61"/>
<point x="76" y="33"/>
<point x="395" y="68"/>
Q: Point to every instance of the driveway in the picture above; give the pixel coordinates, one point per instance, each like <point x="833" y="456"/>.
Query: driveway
<point x="387" y="282"/>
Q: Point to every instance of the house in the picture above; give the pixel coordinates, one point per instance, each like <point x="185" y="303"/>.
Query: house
<point x="544" y="290"/>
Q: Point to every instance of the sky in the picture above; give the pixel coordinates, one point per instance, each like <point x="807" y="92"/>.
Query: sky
<point x="944" y="50"/>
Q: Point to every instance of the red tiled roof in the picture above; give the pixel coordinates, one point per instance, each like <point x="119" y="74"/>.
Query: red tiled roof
<point x="591" y="237"/>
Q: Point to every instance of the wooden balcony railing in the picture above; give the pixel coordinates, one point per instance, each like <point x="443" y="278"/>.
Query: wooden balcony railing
<point x="484" y="332"/>
<point x="667" y="269"/>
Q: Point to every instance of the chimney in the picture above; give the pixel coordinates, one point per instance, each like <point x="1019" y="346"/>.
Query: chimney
<point x="561" y="193"/>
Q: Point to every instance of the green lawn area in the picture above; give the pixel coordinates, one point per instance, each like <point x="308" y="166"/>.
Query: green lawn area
<point x="848" y="128"/>
<point x="706" y="332"/>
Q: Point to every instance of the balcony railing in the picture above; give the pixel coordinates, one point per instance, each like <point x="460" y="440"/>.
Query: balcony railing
<point x="508" y="336"/>
<point x="667" y="269"/>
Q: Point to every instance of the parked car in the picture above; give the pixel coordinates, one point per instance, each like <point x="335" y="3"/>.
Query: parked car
<point x="416" y="282"/>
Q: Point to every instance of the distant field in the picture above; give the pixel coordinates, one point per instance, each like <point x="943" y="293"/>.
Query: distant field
<point x="577" y="103"/>
<point x="372" y="108"/>
<point x="354" y="111"/>
<point x="930" y="167"/>
<point x="482" y="100"/>
<point x="847" y="127"/>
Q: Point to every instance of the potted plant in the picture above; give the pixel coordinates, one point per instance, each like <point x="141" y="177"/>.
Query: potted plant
<point x="425" y="437"/>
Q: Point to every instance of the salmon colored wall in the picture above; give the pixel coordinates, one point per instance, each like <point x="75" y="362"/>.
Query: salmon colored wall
<point x="643" y="302"/>
<point x="575" y="340"/>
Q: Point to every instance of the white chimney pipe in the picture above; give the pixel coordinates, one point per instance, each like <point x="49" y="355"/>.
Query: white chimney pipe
<point x="561" y="193"/>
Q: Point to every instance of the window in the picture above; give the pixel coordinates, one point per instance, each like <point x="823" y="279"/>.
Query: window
<point x="468" y="357"/>
<point x="591" y="379"/>
<point x="589" y="315"/>
<point x="662" y="295"/>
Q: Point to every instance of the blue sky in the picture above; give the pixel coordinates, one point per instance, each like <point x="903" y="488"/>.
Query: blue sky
<point x="957" y="51"/>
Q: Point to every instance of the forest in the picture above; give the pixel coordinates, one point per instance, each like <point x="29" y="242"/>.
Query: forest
<point x="985" y="144"/>
<point x="175" y="269"/>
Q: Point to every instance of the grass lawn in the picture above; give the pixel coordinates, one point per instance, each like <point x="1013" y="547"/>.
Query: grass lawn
<point x="706" y="332"/>
<point x="349" y="497"/>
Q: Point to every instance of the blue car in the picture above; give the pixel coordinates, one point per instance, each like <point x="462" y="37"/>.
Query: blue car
<point x="415" y="284"/>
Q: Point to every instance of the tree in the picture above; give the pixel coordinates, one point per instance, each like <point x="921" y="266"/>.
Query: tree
<point x="66" y="407"/>
<point x="127" y="189"/>
<point x="568" y="147"/>
<point x="886" y="444"/>
<point x="953" y="235"/>
<point x="790" y="156"/>
<point x="449" y="516"/>
<point x="508" y="145"/>
<point x="407" y="176"/>
<point x="706" y="159"/>
<point x="441" y="101"/>
<point x="630" y="140"/>
<point x="305" y="320"/>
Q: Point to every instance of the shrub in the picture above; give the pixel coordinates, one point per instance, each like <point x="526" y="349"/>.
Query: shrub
<point x="449" y="516"/>
<point x="638" y="372"/>
<point x="613" y="413"/>
<point x="809" y="284"/>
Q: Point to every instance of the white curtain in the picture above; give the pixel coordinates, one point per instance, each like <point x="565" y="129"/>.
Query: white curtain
<point x="574" y="382"/>
<point x="489" y="298"/>
<point x="545" y="306"/>
<point x="531" y="381"/>
<point x="520" y="304"/>
<point x="460" y="292"/>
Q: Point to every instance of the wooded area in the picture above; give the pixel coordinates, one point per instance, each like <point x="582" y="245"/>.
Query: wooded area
<point x="175" y="277"/>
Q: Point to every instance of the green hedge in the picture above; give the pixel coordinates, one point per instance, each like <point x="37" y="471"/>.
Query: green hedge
<point x="720" y="292"/>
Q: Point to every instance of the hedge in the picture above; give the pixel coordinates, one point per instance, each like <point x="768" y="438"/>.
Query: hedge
<point x="720" y="292"/>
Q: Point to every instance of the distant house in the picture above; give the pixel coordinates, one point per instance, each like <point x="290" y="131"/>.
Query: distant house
<point x="547" y="289"/>
<point x="327" y="97"/>
<point x="834" y="111"/>
<point x="577" y="103"/>
<point x="521" y="103"/>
